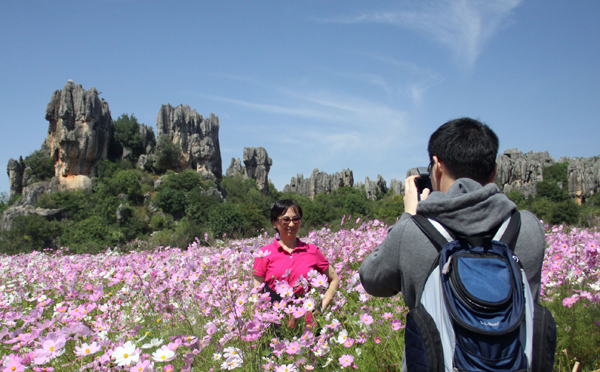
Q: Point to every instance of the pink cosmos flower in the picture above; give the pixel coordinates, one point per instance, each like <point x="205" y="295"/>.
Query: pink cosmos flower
<point x="346" y="360"/>
<point x="286" y="368"/>
<point x="142" y="366"/>
<point x="377" y="340"/>
<point x="349" y="342"/>
<point x="85" y="349"/>
<point x="366" y="318"/>
<point x="14" y="366"/>
<point x="396" y="324"/>
<point x="319" y="281"/>
<point x="293" y="348"/>
<point x="168" y="368"/>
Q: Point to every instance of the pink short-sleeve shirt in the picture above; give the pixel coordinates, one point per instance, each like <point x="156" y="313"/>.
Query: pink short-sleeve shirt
<point x="303" y="258"/>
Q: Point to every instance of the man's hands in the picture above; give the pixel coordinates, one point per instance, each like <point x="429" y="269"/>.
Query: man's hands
<point x="410" y="195"/>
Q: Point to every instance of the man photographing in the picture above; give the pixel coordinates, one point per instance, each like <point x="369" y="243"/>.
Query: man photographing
<point x="466" y="202"/>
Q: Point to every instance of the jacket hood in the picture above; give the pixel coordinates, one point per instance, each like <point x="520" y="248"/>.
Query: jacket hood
<point x="468" y="208"/>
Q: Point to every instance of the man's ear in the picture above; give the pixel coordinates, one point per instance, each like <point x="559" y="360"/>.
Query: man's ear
<point x="493" y="175"/>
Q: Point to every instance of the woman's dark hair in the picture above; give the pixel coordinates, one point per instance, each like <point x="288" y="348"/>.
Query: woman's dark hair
<point x="281" y="206"/>
<point x="467" y="147"/>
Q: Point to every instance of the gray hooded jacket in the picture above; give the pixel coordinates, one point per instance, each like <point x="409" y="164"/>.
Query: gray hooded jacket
<point x="403" y="260"/>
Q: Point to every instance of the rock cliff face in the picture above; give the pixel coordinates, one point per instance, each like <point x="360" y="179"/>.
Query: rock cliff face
<point x="584" y="177"/>
<point x="79" y="132"/>
<point x="16" y="171"/>
<point x="257" y="165"/>
<point x="319" y="182"/>
<point x="372" y="187"/>
<point x="521" y="172"/>
<point x="198" y="137"/>
<point x="396" y="186"/>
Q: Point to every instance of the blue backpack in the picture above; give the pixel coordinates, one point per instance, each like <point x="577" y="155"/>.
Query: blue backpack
<point x="476" y="311"/>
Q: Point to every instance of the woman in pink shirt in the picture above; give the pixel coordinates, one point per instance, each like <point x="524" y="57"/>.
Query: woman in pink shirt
<point x="288" y="253"/>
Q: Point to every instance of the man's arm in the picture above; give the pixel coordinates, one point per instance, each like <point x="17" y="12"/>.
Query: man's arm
<point x="380" y="273"/>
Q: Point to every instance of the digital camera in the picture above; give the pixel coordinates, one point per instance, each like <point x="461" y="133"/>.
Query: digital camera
<point x="423" y="181"/>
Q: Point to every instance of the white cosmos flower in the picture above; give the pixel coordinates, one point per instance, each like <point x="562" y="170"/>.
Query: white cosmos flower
<point x="155" y="342"/>
<point x="126" y="354"/>
<point x="163" y="354"/>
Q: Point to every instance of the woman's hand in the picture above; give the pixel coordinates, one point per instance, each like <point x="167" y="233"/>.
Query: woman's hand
<point x="334" y="282"/>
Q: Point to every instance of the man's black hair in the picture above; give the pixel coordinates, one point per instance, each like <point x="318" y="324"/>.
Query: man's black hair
<point x="467" y="147"/>
<point x="281" y="206"/>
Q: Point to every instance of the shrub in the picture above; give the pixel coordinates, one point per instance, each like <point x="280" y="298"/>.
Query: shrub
<point x="168" y="155"/>
<point x="28" y="233"/>
<point x="40" y="166"/>
<point x="225" y="218"/>
<point x="127" y="134"/>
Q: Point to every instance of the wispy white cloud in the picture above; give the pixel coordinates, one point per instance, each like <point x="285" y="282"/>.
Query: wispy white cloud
<point x="462" y="26"/>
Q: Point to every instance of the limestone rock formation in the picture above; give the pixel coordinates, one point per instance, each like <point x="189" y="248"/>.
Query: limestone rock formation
<point x="79" y="132"/>
<point x="198" y="137"/>
<point x="319" y="182"/>
<point x="16" y="170"/>
<point x="25" y="207"/>
<point x="584" y="177"/>
<point x="235" y="168"/>
<point x="521" y="172"/>
<point x="396" y="186"/>
<point x="257" y="164"/>
<point x="147" y="134"/>
<point x="372" y="187"/>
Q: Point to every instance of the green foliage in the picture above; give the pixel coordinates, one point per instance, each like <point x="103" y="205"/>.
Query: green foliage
<point x="578" y="334"/>
<point x="171" y="200"/>
<point x="556" y="173"/>
<point x="389" y="209"/>
<point x="355" y="204"/>
<point x="168" y="155"/>
<point x="184" y="181"/>
<point x="199" y="204"/>
<point x="551" y="190"/>
<point x="518" y="198"/>
<point x="28" y="233"/>
<point x="40" y="166"/>
<point x="127" y="134"/>
<point x="3" y="202"/>
<point x="120" y="182"/>
<point x="226" y="218"/>
<point x="77" y="205"/>
<point x="88" y="236"/>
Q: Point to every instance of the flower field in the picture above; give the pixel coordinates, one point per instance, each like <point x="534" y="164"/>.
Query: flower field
<point x="194" y="310"/>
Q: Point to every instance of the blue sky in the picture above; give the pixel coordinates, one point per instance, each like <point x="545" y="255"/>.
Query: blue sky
<point x="319" y="84"/>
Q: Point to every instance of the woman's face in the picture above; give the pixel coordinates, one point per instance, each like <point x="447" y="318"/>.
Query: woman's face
<point x="285" y="224"/>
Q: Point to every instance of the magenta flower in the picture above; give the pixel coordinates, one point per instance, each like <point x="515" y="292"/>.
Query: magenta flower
<point x="377" y="340"/>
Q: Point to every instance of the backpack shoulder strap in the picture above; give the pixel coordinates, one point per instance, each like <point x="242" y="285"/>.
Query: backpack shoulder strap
<point x="438" y="235"/>
<point x="509" y="230"/>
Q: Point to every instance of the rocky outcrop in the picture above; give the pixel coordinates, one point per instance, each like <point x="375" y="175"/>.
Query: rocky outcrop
<point x="16" y="171"/>
<point x="148" y="138"/>
<point x="396" y="186"/>
<point x="30" y="196"/>
<point x="79" y="132"/>
<point x="257" y="164"/>
<point x="24" y="210"/>
<point x="235" y="168"/>
<point x="584" y="177"/>
<point x="374" y="188"/>
<point x="197" y="137"/>
<point x="521" y="172"/>
<point x="319" y="182"/>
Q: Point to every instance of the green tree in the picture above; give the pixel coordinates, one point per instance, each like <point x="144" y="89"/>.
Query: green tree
<point x="168" y="155"/>
<point x="225" y="218"/>
<point x="127" y="134"/>
<point x="40" y="166"/>
<point x="28" y="233"/>
<point x="517" y="198"/>
<point x="556" y="173"/>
